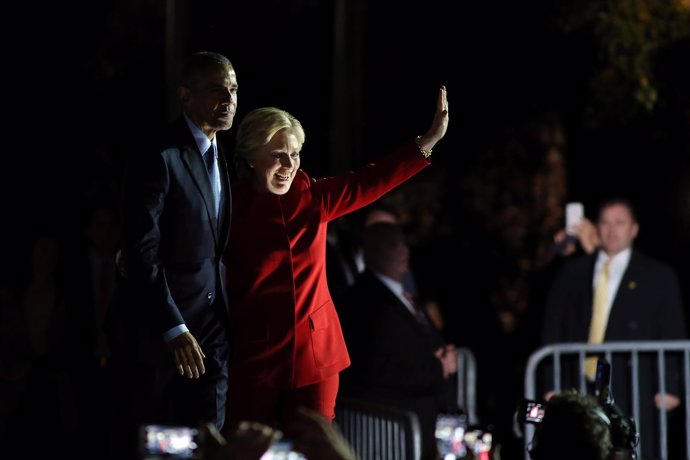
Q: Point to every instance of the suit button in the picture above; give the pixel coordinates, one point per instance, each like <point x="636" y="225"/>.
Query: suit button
<point x="209" y="296"/>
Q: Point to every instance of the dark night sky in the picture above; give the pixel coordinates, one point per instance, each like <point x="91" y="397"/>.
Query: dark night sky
<point x="96" y="82"/>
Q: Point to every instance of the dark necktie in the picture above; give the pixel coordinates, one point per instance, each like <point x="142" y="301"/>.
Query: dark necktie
<point x="418" y="313"/>
<point x="211" y="160"/>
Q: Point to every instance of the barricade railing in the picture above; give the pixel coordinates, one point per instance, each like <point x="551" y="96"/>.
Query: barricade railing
<point x="379" y="432"/>
<point x="467" y="384"/>
<point x="660" y="351"/>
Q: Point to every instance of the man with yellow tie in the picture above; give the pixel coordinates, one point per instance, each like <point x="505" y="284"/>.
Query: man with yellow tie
<point x="617" y="293"/>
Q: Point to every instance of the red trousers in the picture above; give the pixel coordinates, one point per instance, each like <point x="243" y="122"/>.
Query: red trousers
<point x="276" y="406"/>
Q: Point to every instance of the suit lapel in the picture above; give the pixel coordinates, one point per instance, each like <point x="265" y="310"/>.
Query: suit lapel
<point x="398" y="307"/>
<point x="197" y="169"/>
<point x="427" y="332"/>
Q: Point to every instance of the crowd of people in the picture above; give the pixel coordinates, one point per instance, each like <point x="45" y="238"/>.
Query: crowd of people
<point x="208" y="296"/>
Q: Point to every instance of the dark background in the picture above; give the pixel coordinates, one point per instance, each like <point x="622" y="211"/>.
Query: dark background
<point x="87" y="82"/>
<point x="90" y="80"/>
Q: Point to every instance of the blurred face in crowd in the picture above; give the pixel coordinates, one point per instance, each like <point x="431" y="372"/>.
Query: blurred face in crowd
<point x="276" y="163"/>
<point x="386" y="250"/>
<point x="617" y="228"/>
<point x="210" y="101"/>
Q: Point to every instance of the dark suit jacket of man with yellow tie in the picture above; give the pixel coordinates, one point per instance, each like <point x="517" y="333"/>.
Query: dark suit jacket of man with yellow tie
<point x="646" y="306"/>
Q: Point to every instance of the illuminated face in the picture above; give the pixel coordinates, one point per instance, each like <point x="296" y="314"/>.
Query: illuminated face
<point x="212" y="102"/>
<point x="617" y="229"/>
<point x="276" y="163"/>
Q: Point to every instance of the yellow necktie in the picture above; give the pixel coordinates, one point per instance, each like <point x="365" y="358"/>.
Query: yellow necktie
<point x="597" y="327"/>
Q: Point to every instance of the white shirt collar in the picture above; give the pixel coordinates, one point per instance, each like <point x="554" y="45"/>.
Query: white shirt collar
<point x="397" y="288"/>
<point x="392" y="284"/>
<point x="618" y="262"/>
<point x="202" y="141"/>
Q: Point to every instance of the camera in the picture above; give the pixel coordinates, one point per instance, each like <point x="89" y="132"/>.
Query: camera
<point x="169" y="442"/>
<point x="623" y="429"/>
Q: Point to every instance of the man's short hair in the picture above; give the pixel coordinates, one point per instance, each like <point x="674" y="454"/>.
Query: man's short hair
<point x="199" y="64"/>
<point x="574" y="427"/>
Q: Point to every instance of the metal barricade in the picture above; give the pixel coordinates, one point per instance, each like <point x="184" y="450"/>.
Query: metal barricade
<point x="467" y="384"/>
<point x="660" y="351"/>
<point x="379" y="432"/>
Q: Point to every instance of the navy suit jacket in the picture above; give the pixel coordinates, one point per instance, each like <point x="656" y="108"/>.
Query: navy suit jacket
<point x="172" y="239"/>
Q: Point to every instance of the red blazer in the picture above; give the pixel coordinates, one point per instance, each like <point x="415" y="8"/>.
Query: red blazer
<point x="287" y="332"/>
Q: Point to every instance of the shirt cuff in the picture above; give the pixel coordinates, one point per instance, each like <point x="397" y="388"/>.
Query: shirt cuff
<point x="174" y="332"/>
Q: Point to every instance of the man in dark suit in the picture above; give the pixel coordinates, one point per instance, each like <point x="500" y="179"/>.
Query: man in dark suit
<point x="174" y="348"/>
<point x="398" y="356"/>
<point x="92" y="288"/>
<point x="643" y="302"/>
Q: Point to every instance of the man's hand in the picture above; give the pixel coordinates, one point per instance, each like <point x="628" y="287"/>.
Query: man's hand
<point x="586" y="234"/>
<point x="188" y="356"/>
<point x="670" y="401"/>
<point x="249" y="442"/>
<point x="448" y="356"/>
<point x="319" y="439"/>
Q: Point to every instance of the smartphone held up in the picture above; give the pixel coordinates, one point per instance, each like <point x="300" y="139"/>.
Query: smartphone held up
<point x="574" y="213"/>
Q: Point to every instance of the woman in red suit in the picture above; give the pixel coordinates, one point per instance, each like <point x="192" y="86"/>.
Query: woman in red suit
<point x="289" y="347"/>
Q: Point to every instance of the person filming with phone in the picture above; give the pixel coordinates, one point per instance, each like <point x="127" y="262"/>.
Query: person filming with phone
<point x="573" y="427"/>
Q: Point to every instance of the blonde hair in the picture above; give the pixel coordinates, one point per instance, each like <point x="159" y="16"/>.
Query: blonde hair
<point x="256" y="130"/>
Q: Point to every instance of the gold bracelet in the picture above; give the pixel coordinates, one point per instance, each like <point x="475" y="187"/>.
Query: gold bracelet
<point x="418" y="141"/>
